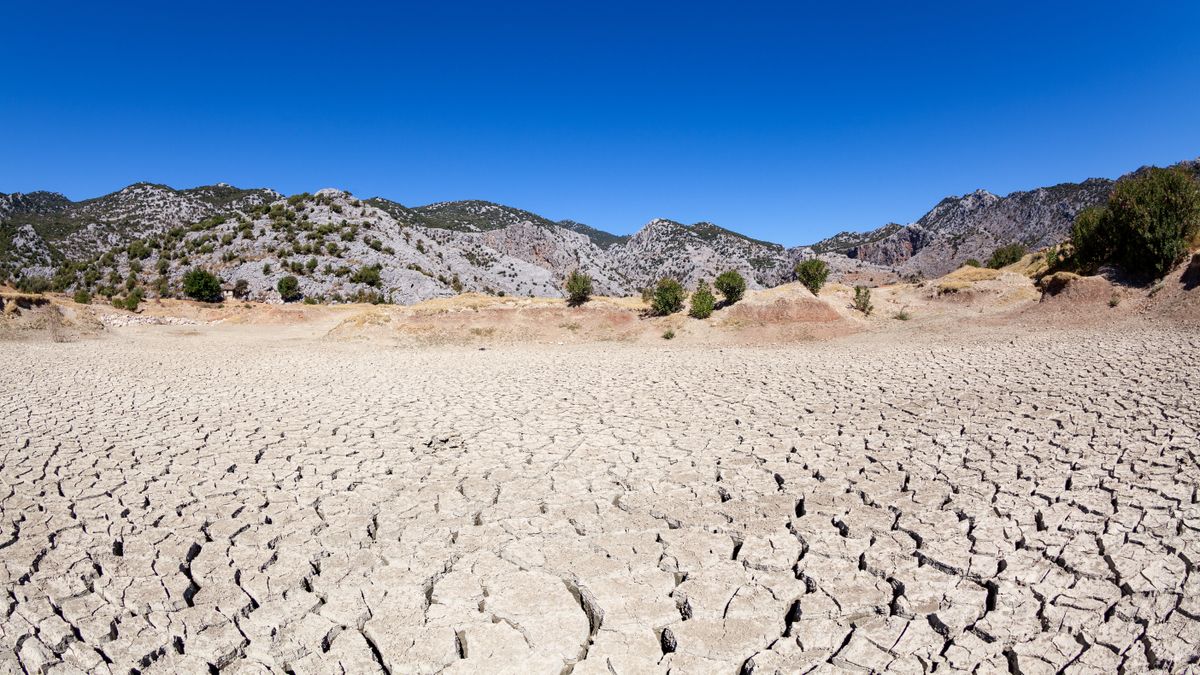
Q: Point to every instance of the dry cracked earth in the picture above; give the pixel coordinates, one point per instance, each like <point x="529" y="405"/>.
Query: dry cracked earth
<point x="195" y="504"/>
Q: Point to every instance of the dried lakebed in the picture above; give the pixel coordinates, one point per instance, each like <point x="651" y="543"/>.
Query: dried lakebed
<point x="197" y="503"/>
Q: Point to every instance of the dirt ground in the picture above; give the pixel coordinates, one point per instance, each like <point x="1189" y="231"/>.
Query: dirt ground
<point x="975" y="477"/>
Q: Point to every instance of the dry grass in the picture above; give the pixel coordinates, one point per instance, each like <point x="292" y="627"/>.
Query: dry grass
<point x="953" y="286"/>
<point x="972" y="274"/>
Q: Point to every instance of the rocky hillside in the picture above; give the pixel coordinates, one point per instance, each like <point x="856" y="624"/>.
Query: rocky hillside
<point x="974" y="225"/>
<point x="342" y="248"/>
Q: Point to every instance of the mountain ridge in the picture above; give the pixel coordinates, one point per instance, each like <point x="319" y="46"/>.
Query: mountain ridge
<point x="450" y="246"/>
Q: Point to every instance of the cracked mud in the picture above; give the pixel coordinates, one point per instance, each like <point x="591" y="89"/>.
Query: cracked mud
<point x="173" y="504"/>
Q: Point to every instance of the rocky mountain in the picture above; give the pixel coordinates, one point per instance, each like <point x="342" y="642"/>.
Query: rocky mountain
<point x="974" y="225"/>
<point x="341" y="248"/>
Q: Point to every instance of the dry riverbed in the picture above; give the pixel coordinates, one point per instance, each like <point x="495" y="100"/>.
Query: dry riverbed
<point x="181" y="499"/>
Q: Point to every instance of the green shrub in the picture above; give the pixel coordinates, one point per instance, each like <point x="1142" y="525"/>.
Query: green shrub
<point x="862" y="300"/>
<point x="138" y="250"/>
<point x="266" y="268"/>
<point x="33" y="284"/>
<point x="702" y="302"/>
<point x="669" y="334"/>
<point x="1092" y="237"/>
<point x="241" y="289"/>
<point x="972" y="262"/>
<point x="579" y="288"/>
<point x="202" y="285"/>
<point x="731" y="285"/>
<point x="289" y="289"/>
<point x="1006" y="255"/>
<point x="133" y="300"/>
<point x="1155" y="217"/>
<point x="668" y="297"/>
<point x="902" y="315"/>
<point x="368" y="275"/>
<point x="812" y="273"/>
<point x="83" y="297"/>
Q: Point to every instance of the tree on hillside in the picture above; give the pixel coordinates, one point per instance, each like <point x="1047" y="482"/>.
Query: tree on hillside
<point x="702" y="302"/>
<point x="289" y="289"/>
<point x="668" y="297"/>
<point x="202" y="285"/>
<point x="732" y="285"/>
<point x="812" y="273"/>
<point x="579" y="288"/>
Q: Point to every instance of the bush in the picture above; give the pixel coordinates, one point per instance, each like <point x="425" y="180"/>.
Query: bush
<point x="1006" y="255"/>
<point x="366" y="275"/>
<point x="33" y="284"/>
<point x="972" y="262"/>
<point x="812" y="273"/>
<point x="202" y="285"/>
<point x="702" y="302"/>
<point x="289" y="289"/>
<point x="668" y="297"/>
<point x="669" y="334"/>
<point x="1092" y="237"/>
<point x="1154" y="218"/>
<point x="731" y="285"/>
<point x="82" y="297"/>
<point x="579" y="288"/>
<point x="241" y="289"/>
<point x="266" y="268"/>
<point x="862" y="300"/>
<point x="133" y="300"/>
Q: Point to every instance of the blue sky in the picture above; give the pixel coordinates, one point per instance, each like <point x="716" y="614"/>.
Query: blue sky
<point x="784" y="121"/>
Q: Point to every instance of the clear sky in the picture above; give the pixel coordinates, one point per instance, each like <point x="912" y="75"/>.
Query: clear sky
<point x="787" y="121"/>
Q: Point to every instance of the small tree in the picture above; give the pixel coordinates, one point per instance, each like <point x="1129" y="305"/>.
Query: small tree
<point x="202" y="285"/>
<point x="702" y="302"/>
<point x="1006" y="255"/>
<point x="812" y="273"/>
<point x="862" y="300"/>
<point x="579" y="288"/>
<point x="668" y="297"/>
<point x="289" y="289"/>
<point x="241" y="289"/>
<point x="731" y="285"/>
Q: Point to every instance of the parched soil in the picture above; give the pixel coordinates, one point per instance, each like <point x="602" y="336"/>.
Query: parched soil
<point x="194" y="499"/>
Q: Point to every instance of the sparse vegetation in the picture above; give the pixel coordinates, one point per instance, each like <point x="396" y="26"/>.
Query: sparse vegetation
<point x="668" y="297"/>
<point x="1006" y="255"/>
<point x="289" y="289"/>
<point x="202" y="285"/>
<point x="731" y="285"/>
<point x="812" y="273"/>
<point x="972" y="262"/>
<point x="862" y="300"/>
<point x="902" y="315"/>
<point x="579" y="288"/>
<point x="83" y="297"/>
<point x="669" y="334"/>
<point x="702" y="302"/>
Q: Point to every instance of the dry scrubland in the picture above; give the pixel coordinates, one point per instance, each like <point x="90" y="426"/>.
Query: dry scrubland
<point x="1000" y="483"/>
